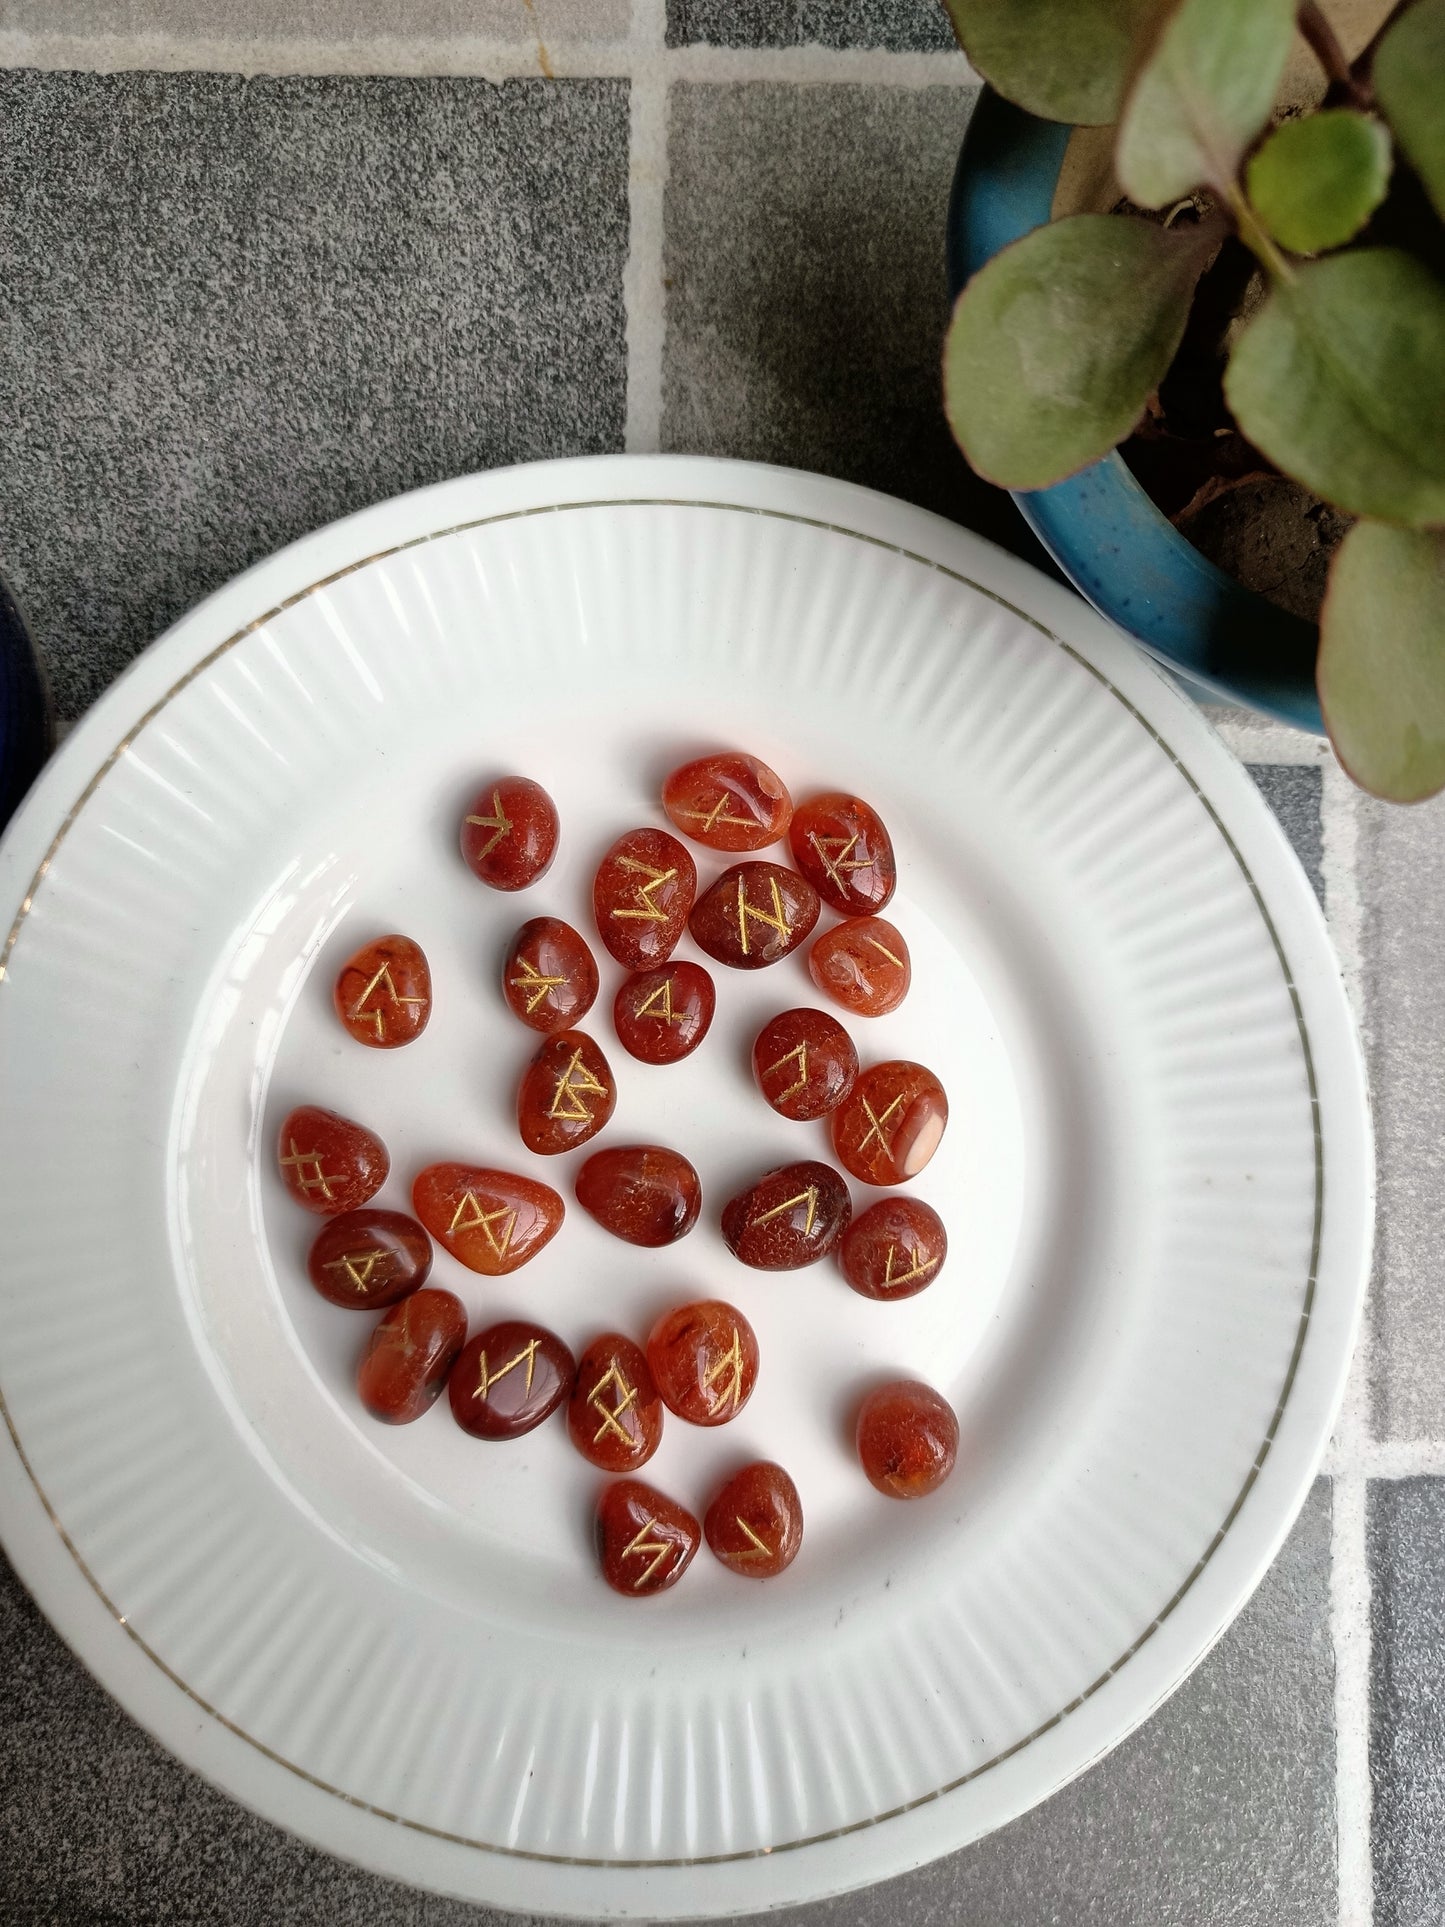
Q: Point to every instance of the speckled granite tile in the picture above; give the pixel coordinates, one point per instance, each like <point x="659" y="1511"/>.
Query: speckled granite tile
<point x="1401" y="867"/>
<point x="240" y="308"/>
<point x="900" y="25"/>
<point x="322" y="21"/>
<point x="1220" y="1808"/>
<point x="1407" y="1740"/>
<point x="806" y="298"/>
<point x="1293" y="792"/>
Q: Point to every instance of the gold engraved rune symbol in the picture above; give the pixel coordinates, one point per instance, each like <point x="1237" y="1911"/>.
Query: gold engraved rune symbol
<point x="921" y="1269"/>
<point x="730" y="1363"/>
<point x="709" y="819"/>
<point x="486" y="1380"/>
<point x="647" y="910"/>
<point x="776" y="921"/>
<point x="498" y="821"/>
<point x="309" y="1174"/>
<point x="801" y="1057"/>
<point x="611" y="1416"/>
<point x="875" y="1127"/>
<point x="378" y="1017"/>
<point x="760" y="1549"/>
<point x="642" y="1546"/>
<point x="469" y="1216"/>
<point x="359" y="1265"/>
<point x="658" y="1003"/>
<point x="575" y="1084"/>
<point x="535" y="984"/>
<point x="833" y="854"/>
<point x="808" y="1197"/>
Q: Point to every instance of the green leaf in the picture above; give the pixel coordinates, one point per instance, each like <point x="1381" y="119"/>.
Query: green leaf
<point x="1340" y="380"/>
<point x="1409" y="76"/>
<point x="1382" y="660"/>
<point x="1201" y="97"/>
<point x="1056" y="345"/>
<point x="1316" y="181"/>
<point x="1063" y="59"/>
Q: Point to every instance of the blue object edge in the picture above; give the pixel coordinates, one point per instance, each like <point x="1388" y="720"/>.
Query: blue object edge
<point x="25" y="720"/>
<point x="1115" y="546"/>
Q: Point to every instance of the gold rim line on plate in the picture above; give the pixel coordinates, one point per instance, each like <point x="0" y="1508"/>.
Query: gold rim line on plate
<point x="1056" y="1719"/>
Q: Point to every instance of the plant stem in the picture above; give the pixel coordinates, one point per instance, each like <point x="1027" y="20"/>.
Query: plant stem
<point x="1327" y="50"/>
<point x="1255" y="238"/>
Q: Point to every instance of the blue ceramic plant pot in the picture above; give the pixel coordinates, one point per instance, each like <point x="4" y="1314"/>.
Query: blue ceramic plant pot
<point x="1115" y="546"/>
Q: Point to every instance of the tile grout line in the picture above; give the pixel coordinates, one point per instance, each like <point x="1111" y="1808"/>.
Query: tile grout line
<point x="479" y="57"/>
<point x="1352" y="1447"/>
<point x="642" y="289"/>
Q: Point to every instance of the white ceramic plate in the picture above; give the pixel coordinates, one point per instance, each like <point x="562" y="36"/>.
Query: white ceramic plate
<point x="1156" y="1182"/>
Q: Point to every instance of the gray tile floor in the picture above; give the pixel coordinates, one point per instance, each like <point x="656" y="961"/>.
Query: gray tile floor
<point x="238" y="306"/>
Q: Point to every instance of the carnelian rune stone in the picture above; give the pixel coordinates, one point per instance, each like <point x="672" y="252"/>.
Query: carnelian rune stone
<point x="645" y="1541"/>
<point x="509" y="833"/>
<point x="642" y="1193"/>
<point x="549" y="978"/>
<point x="729" y="801"/>
<point x="408" y="1356"/>
<point x="641" y="895"/>
<point x="508" y="1379"/>
<point x="755" y="914"/>
<point x="863" y="964"/>
<point x="894" y="1248"/>
<point x="890" y="1124"/>
<point x="662" y="1015"/>
<point x="804" y="1063"/>
<point x="615" y="1413"/>
<point x="490" y="1221"/>
<point x="566" y="1095"/>
<point x="383" y="995"/>
<point x="841" y="847"/>
<point x="704" y="1358"/>
<point x="755" y="1523"/>
<point x="792" y="1217"/>
<point x="907" y="1438"/>
<point x="327" y="1162"/>
<point x="367" y="1259"/>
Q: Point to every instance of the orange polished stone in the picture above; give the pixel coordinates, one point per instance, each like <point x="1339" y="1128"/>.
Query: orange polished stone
<point x="704" y="1358"/>
<point x="645" y="1540"/>
<point x="550" y="975"/>
<point x="641" y="895"/>
<point x="841" y="847"/>
<point x="755" y="1524"/>
<point x="369" y="1258"/>
<point x="508" y="1379"/>
<point x="792" y="1217"/>
<point x="383" y="995"/>
<point x="907" y="1438"/>
<point x="805" y="1063"/>
<point x="755" y="914"/>
<point x="408" y="1356"/>
<point x="864" y="964"/>
<point x="662" y="1015"/>
<point x="615" y="1413"/>
<point x="894" y="1248"/>
<point x="567" y="1094"/>
<point x="642" y="1193"/>
<point x="889" y="1125"/>
<point x="490" y="1221"/>
<point x="509" y="833"/>
<point x="327" y="1162"/>
<point x="730" y="802"/>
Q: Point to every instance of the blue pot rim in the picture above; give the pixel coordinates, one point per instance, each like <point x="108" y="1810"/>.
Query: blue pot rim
<point x="1101" y="528"/>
